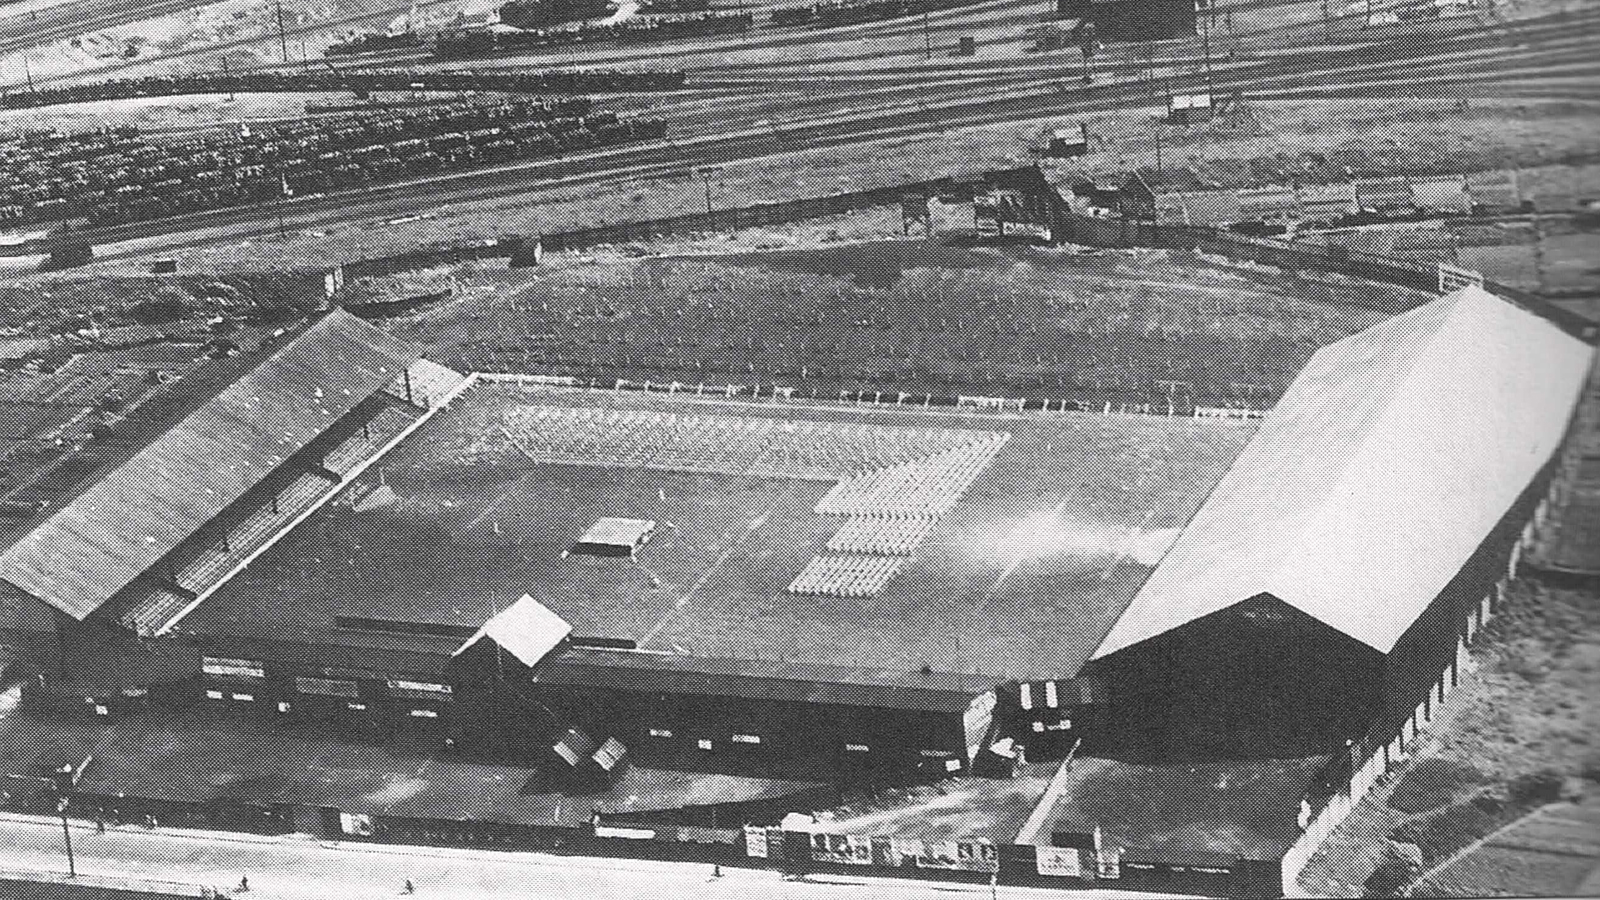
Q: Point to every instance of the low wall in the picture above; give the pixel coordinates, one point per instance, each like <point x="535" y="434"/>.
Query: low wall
<point x="1091" y="231"/>
<point x="1371" y="760"/>
<point x="52" y="886"/>
<point x="762" y="214"/>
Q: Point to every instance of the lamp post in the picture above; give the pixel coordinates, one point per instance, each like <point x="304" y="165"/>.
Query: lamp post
<point x="66" y="835"/>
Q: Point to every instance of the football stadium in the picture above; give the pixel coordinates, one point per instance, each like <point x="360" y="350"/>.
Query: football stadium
<point x="339" y="533"/>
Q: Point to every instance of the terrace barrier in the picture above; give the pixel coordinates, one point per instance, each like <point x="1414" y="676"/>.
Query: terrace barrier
<point x="1042" y="203"/>
<point x="891" y="399"/>
<point x="1076" y="228"/>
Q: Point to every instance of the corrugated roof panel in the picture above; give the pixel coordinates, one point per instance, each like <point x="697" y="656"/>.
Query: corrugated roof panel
<point x="137" y="513"/>
<point x="1378" y="474"/>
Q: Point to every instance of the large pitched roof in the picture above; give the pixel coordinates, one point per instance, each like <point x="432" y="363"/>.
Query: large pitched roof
<point x="1378" y="474"/>
<point x="91" y="548"/>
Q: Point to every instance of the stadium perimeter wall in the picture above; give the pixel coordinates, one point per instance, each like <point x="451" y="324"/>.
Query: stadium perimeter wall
<point x="1425" y="667"/>
<point x="1042" y="206"/>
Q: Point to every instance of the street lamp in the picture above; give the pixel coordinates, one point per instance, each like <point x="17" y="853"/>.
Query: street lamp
<point x="66" y="835"/>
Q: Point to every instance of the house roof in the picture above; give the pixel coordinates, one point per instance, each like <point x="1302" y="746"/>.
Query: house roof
<point x="137" y="513"/>
<point x="1441" y="194"/>
<point x="1199" y="208"/>
<point x="526" y="629"/>
<point x="1274" y="198"/>
<point x="1378" y="474"/>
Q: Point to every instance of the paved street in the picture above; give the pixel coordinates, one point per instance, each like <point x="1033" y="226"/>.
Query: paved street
<point x="299" y="868"/>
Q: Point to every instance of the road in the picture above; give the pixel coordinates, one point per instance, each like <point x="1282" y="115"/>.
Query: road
<point x="300" y="868"/>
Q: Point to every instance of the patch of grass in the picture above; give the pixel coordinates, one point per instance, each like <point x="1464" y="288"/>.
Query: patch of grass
<point x="1448" y="830"/>
<point x="1534" y="710"/>
<point x="1430" y="784"/>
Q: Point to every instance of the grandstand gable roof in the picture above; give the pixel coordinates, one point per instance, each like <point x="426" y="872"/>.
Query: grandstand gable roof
<point x="1383" y="468"/>
<point x="95" y="545"/>
<point x="526" y="629"/>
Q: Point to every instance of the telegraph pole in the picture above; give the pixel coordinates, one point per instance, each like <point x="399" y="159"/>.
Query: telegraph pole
<point x="283" y="40"/>
<point x="66" y="834"/>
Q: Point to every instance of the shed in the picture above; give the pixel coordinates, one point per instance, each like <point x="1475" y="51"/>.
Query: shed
<point x="1443" y="195"/>
<point x="1494" y="191"/>
<point x="1189" y="109"/>
<point x="1275" y="203"/>
<point x="1133" y="20"/>
<point x="1384" y="195"/>
<point x="1327" y="202"/>
<point x="1202" y="208"/>
<point x="615" y="536"/>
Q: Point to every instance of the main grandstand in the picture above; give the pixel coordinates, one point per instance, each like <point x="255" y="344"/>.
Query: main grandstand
<point x="347" y="534"/>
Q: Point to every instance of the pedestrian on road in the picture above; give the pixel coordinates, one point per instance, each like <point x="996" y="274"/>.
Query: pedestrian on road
<point x="244" y="884"/>
<point x="409" y="888"/>
<point x="99" y="825"/>
<point x="716" y="870"/>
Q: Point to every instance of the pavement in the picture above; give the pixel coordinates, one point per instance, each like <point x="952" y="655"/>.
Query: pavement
<point x="299" y="867"/>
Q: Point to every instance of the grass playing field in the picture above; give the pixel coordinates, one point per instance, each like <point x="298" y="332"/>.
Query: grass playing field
<point x="1019" y="579"/>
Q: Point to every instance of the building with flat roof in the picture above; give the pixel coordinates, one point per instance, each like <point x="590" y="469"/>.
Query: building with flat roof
<point x="1133" y="20"/>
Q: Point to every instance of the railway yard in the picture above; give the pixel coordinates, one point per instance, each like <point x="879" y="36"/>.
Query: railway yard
<point x="780" y="95"/>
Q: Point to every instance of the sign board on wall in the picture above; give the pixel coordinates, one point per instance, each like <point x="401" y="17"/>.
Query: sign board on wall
<point x="844" y="849"/>
<point x="1108" y="862"/>
<point x="755" y="842"/>
<point x="355" y="823"/>
<point x="961" y="857"/>
<point x="1065" y="862"/>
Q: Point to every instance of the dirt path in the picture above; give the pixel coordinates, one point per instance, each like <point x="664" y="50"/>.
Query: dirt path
<point x="1427" y="876"/>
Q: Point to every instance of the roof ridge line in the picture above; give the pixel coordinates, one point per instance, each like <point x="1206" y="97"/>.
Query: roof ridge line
<point x="1347" y="464"/>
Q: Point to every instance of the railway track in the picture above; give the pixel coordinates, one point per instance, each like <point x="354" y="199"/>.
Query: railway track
<point x="902" y="102"/>
<point x="655" y="162"/>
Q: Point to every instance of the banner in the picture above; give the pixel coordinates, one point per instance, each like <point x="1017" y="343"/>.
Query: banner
<point x="755" y="842"/>
<point x="939" y="856"/>
<point x="895" y="852"/>
<point x="977" y="858"/>
<point x="1064" y="862"/>
<point x="843" y="849"/>
<point x="355" y="823"/>
<point x="1108" y="863"/>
